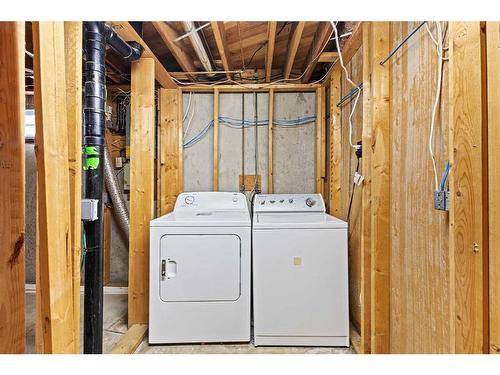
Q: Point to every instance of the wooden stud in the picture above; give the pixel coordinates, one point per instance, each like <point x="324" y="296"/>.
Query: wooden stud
<point x="271" y="38"/>
<point x="292" y="48"/>
<point x="12" y="175"/>
<point x="270" y="117"/>
<point x="493" y="66"/>
<point x="127" y="32"/>
<point x="73" y="35"/>
<point x="380" y="193"/>
<point x="168" y="35"/>
<point x="320" y="140"/>
<point x="131" y="340"/>
<point x="54" y="212"/>
<point x="335" y="198"/>
<point x="220" y="39"/>
<point x="468" y="243"/>
<point x="142" y="136"/>
<point x="366" y="139"/>
<point x="216" y="141"/>
<point x="319" y="42"/>
<point x="170" y="176"/>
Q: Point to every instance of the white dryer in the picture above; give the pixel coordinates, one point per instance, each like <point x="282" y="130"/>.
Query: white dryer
<point x="300" y="282"/>
<point x="200" y="257"/>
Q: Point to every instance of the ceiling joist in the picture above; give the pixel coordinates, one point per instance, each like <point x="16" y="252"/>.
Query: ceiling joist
<point x="220" y="39"/>
<point x="271" y="38"/>
<point x="127" y="32"/>
<point x="320" y="40"/>
<point x="168" y="35"/>
<point x="292" y="48"/>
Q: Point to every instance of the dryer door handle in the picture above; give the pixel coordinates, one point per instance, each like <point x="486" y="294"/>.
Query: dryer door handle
<point x="168" y="269"/>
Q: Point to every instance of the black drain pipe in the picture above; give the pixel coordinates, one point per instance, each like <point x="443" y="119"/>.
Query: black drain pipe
<point x="96" y="36"/>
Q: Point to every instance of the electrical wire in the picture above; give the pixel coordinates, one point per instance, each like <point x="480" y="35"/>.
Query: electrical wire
<point x="190" y="119"/>
<point x="439" y="48"/>
<point x="188" y="106"/>
<point x="334" y="25"/>
<point x="352" y="194"/>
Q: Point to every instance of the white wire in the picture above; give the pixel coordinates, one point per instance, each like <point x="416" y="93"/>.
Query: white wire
<point x="190" y="119"/>
<point x="334" y="25"/>
<point x="439" y="48"/>
<point x="188" y="107"/>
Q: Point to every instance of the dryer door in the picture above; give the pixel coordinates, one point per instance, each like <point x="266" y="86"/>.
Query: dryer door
<point x="196" y="268"/>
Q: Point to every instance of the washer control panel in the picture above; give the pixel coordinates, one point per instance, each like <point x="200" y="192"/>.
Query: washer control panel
<point x="289" y="203"/>
<point x="210" y="201"/>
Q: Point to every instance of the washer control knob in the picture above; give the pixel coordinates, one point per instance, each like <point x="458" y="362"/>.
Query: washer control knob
<point x="189" y="199"/>
<point x="310" y="202"/>
<point x="272" y="201"/>
<point x="262" y="202"/>
<point x="282" y="200"/>
<point x="290" y="201"/>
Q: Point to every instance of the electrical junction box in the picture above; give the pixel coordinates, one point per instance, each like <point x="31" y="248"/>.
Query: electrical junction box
<point x="89" y="209"/>
<point x="441" y="200"/>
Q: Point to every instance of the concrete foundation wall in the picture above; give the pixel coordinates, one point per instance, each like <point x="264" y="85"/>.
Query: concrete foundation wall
<point x="293" y="159"/>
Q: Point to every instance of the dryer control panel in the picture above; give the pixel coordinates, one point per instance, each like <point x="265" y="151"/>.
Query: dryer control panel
<point x="210" y="201"/>
<point x="289" y="203"/>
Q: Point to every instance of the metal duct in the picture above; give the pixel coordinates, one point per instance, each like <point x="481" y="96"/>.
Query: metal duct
<point x="119" y="205"/>
<point x="198" y="45"/>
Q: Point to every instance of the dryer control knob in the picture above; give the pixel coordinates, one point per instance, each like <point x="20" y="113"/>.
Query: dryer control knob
<point x="189" y="199"/>
<point x="310" y="202"/>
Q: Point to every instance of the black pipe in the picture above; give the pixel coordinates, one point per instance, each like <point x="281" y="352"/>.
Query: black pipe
<point x="97" y="34"/>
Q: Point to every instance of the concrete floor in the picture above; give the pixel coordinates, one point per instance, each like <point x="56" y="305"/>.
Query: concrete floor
<point x="115" y="309"/>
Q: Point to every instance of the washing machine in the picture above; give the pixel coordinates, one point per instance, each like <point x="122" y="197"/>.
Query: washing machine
<point x="300" y="280"/>
<point x="200" y="260"/>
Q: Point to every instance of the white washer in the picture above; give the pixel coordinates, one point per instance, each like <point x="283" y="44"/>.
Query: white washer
<point x="200" y="270"/>
<point x="300" y="282"/>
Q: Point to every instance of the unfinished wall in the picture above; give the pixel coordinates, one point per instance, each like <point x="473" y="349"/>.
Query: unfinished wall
<point x="420" y="299"/>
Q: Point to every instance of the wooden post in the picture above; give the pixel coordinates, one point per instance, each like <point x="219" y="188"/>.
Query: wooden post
<point x="170" y="139"/>
<point x="54" y="207"/>
<point x="366" y="137"/>
<point x="216" y="141"/>
<point x="270" y="117"/>
<point x="142" y="136"/>
<point x="493" y="64"/>
<point x="335" y="144"/>
<point x="320" y="140"/>
<point x="12" y="325"/>
<point x="380" y="191"/>
<point x="73" y="35"/>
<point x="468" y="242"/>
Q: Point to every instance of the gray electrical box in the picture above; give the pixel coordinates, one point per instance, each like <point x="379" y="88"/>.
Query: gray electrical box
<point x="89" y="209"/>
<point x="441" y="201"/>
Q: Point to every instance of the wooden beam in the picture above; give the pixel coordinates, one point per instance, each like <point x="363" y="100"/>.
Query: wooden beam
<point x="350" y="47"/>
<point x="335" y="196"/>
<point x="73" y="36"/>
<point x="270" y="117"/>
<point x="293" y="45"/>
<point x="366" y="166"/>
<point x="127" y="32"/>
<point x="12" y="175"/>
<point x="380" y="191"/>
<point x="142" y="138"/>
<point x="131" y="340"/>
<point x="220" y="39"/>
<point x="168" y="35"/>
<point x="216" y="140"/>
<point x="468" y="243"/>
<point x="54" y="209"/>
<point x="319" y="42"/>
<point x="328" y="57"/>
<point x="320" y="140"/>
<point x="289" y="87"/>
<point x="493" y="66"/>
<point x="271" y="38"/>
<point x="170" y="159"/>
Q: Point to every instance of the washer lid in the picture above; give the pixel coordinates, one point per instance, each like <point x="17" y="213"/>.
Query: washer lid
<point x="296" y="220"/>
